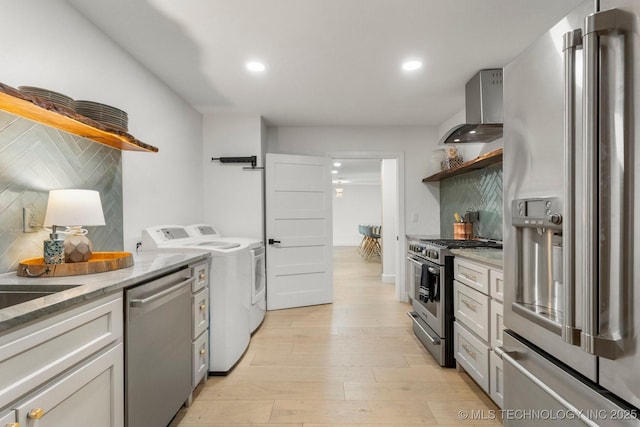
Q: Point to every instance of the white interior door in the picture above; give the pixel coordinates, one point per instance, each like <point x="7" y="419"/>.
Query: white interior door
<point x="299" y="234"/>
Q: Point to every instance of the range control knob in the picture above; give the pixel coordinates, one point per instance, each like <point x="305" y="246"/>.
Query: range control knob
<point x="432" y="254"/>
<point x="555" y="218"/>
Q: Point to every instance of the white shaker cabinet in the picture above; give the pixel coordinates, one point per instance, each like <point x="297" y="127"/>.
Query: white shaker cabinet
<point x="478" y="325"/>
<point x="87" y="396"/>
<point x="200" y="325"/>
<point x="66" y="369"/>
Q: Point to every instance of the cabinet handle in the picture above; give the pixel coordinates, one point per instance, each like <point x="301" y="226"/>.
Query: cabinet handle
<point x="203" y="351"/>
<point x="469" y="276"/>
<point x="471" y="353"/>
<point x="203" y="307"/>
<point x="36" y="414"/>
<point x="468" y="304"/>
<point x="202" y="276"/>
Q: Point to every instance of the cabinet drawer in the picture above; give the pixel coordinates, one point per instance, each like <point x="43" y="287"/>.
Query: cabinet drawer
<point x="90" y="395"/>
<point x="471" y="308"/>
<point x="201" y="274"/>
<point x="472" y="354"/>
<point x="200" y="311"/>
<point x="497" y="324"/>
<point x="472" y="274"/>
<point x="8" y="419"/>
<point x="200" y="359"/>
<point x="36" y="353"/>
<point x="496" y="285"/>
<point x="496" y="379"/>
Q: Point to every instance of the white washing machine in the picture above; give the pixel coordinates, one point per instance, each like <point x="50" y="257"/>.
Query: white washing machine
<point x="256" y="267"/>
<point x="229" y="316"/>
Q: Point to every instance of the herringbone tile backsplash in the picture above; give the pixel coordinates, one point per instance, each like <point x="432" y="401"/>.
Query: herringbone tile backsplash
<point x="35" y="159"/>
<point x="480" y="191"/>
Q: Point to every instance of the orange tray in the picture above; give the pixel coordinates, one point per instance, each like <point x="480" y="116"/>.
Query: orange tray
<point x="99" y="262"/>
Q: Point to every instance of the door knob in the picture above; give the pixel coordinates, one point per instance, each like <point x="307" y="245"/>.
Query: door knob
<point x="272" y="241"/>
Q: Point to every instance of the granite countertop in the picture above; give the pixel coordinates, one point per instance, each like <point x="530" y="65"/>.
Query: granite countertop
<point x="489" y="256"/>
<point x="146" y="266"/>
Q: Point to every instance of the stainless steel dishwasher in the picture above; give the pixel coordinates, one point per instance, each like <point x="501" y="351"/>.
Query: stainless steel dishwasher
<point x="158" y="349"/>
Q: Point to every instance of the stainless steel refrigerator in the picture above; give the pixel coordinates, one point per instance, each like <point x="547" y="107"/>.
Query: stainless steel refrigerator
<point x="571" y="353"/>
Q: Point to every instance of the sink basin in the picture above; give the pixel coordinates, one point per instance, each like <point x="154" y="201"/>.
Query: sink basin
<point x="11" y="295"/>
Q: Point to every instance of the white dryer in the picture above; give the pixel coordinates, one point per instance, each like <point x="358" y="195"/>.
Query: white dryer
<point x="229" y="316"/>
<point x="256" y="268"/>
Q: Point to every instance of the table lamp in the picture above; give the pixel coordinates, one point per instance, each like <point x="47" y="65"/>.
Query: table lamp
<point x="71" y="210"/>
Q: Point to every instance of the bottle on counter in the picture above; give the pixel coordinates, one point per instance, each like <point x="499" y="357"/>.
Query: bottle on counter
<point x="54" y="247"/>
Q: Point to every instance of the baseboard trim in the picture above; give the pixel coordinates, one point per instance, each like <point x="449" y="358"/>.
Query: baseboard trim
<point x="389" y="278"/>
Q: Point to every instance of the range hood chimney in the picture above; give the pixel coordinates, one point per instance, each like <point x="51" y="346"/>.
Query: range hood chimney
<point x="483" y="105"/>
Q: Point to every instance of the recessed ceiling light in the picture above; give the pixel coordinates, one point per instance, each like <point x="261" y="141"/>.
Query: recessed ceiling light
<point x="256" y="66"/>
<point x="411" y="65"/>
<point x="337" y="164"/>
<point x="472" y="132"/>
<point x="456" y="140"/>
<point x="334" y="171"/>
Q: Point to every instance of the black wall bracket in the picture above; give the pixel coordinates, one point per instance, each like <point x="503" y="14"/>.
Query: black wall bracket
<point x="250" y="159"/>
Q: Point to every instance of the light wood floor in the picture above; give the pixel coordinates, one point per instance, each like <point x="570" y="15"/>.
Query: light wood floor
<point x="355" y="362"/>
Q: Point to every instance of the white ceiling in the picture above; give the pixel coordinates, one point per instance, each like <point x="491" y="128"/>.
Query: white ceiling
<point x="329" y="62"/>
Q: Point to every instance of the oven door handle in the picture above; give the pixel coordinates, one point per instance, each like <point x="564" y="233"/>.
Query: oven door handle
<point x="414" y="318"/>
<point x="416" y="262"/>
<point x="432" y="270"/>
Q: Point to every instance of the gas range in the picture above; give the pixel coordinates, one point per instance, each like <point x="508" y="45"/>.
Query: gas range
<point x="430" y="284"/>
<point x="435" y="250"/>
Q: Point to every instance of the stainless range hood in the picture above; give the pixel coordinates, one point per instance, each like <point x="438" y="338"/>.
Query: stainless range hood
<point x="483" y="99"/>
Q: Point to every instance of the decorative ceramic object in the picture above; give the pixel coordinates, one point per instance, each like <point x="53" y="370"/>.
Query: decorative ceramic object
<point x="77" y="248"/>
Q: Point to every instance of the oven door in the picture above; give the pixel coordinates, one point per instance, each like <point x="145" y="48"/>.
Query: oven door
<point x="428" y="300"/>
<point x="413" y="266"/>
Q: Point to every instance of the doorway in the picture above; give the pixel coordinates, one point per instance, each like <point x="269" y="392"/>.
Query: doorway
<point x="368" y="189"/>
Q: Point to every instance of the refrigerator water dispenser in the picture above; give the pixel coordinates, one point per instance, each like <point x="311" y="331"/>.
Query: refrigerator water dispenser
<point x="539" y="288"/>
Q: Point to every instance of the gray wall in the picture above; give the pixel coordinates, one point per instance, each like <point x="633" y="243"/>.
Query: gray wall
<point x="35" y="159"/>
<point x="479" y="190"/>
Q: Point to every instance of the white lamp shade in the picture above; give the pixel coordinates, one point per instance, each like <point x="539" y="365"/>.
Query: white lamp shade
<point x="74" y="208"/>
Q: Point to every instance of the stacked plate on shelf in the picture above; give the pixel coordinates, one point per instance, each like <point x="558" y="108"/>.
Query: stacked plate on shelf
<point x="104" y="114"/>
<point x="101" y="113"/>
<point x="58" y="99"/>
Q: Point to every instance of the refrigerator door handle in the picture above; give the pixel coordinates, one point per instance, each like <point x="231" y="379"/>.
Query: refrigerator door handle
<point x="612" y="21"/>
<point x="509" y="357"/>
<point x="572" y="41"/>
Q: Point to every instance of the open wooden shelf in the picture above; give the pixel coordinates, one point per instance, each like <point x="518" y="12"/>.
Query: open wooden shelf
<point x="486" y="160"/>
<point x="13" y="102"/>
